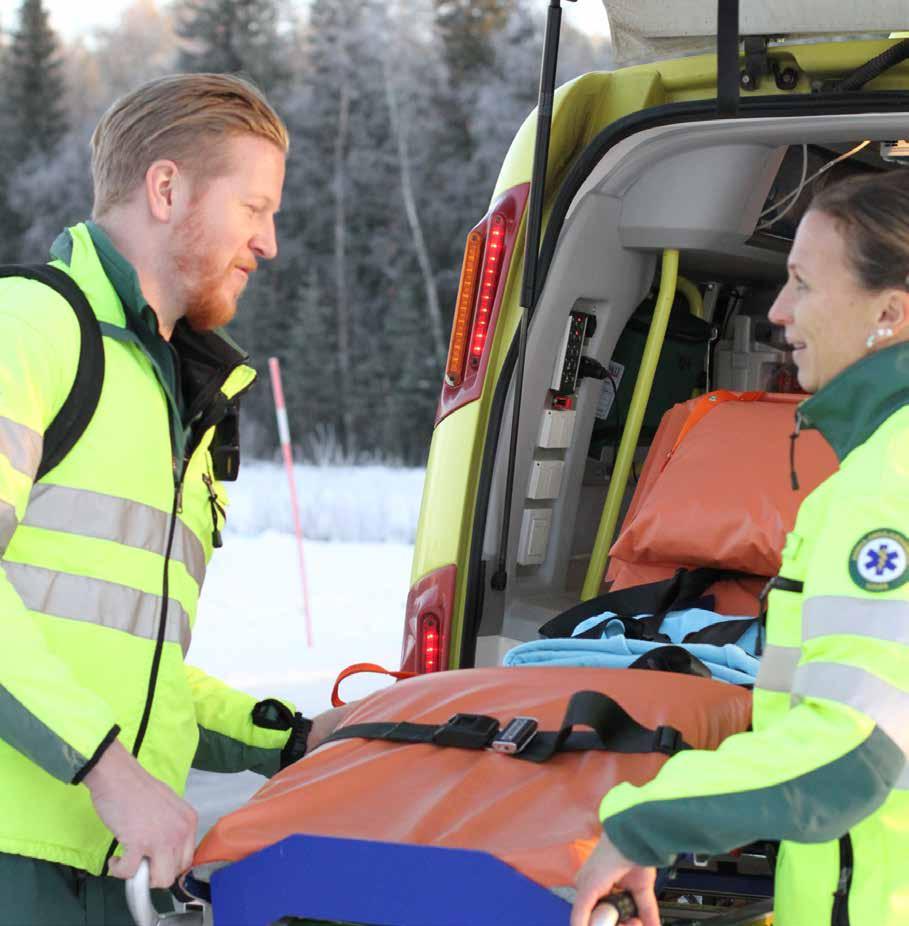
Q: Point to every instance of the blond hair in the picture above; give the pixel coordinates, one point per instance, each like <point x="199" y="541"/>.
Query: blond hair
<point x="184" y="118"/>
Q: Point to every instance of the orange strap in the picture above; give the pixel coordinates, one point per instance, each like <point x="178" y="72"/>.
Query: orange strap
<point x="356" y="669"/>
<point x="704" y="405"/>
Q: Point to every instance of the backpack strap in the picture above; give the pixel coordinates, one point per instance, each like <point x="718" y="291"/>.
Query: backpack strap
<point x="77" y="410"/>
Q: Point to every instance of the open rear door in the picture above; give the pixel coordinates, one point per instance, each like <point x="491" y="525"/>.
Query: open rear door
<point x="653" y="29"/>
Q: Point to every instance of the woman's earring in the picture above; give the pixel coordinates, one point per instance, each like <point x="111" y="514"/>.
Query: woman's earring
<point x="880" y="335"/>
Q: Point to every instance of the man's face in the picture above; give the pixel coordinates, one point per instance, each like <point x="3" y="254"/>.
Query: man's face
<point x="228" y="227"/>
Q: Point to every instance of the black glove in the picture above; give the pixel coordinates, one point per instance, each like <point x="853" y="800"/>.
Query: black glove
<point x="272" y="714"/>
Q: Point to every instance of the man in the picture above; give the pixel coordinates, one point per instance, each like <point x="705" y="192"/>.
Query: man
<point x="101" y="562"/>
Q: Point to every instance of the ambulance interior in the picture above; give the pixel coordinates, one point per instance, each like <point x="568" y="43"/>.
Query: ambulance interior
<point x="725" y="195"/>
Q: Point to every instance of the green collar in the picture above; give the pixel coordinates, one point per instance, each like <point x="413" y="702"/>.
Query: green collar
<point x="124" y="279"/>
<point x="854" y="404"/>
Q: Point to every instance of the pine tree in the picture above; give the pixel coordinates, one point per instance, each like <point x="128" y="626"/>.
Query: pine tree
<point x="233" y="36"/>
<point x="34" y="85"/>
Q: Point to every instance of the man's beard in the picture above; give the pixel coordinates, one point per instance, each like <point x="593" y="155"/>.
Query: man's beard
<point x="202" y="279"/>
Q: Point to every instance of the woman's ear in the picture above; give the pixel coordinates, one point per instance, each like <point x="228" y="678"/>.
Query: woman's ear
<point x="894" y="310"/>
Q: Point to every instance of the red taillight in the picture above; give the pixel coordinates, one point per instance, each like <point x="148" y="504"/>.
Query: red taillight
<point x="492" y="268"/>
<point x="430" y="642"/>
<point x="487" y="259"/>
<point x="427" y="622"/>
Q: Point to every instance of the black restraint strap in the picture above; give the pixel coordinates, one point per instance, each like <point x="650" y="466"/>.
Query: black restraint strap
<point x="684" y="590"/>
<point x="672" y="659"/>
<point x="722" y="633"/>
<point x="612" y="730"/>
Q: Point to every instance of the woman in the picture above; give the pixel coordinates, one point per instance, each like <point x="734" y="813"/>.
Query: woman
<point x="824" y="769"/>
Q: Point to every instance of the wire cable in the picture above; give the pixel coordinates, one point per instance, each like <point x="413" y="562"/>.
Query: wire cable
<point x="793" y="197"/>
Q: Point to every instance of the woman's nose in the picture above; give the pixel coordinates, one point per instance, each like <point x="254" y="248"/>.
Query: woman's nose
<point x="780" y="312"/>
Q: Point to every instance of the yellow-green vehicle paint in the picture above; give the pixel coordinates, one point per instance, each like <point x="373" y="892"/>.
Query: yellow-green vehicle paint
<point x="582" y="108"/>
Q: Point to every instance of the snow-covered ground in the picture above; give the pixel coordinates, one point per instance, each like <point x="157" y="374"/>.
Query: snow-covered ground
<point x="251" y="631"/>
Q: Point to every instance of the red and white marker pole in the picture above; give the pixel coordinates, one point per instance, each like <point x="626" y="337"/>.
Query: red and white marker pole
<point x="274" y="367"/>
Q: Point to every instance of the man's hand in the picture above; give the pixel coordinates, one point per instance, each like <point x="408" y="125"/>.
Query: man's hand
<point x="606" y="870"/>
<point x="324" y="724"/>
<point x="145" y="815"/>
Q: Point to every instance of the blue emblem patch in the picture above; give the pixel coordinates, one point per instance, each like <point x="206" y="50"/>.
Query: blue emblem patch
<point x="879" y="562"/>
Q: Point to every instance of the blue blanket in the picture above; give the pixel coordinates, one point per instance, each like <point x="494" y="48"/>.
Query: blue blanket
<point x="734" y="662"/>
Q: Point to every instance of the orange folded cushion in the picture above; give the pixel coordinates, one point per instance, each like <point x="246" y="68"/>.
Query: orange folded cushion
<point x="725" y="498"/>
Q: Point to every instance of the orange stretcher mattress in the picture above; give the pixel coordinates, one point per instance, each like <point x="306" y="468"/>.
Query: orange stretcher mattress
<point x="539" y="818"/>
<point x="724" y="499"/>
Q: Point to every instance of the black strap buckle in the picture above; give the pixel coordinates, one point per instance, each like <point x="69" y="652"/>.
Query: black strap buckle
<point x="467" y="731"/>
<point x="667" y="740"/>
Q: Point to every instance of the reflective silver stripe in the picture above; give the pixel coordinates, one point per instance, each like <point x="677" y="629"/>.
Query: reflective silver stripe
<point x="95" y="601"/>
<point x="107" y="517"/>
<point x="902" y="783"/>
<point x="8" y="523"/>
<point x="778" y="668"/>
<point x="21" y="446"/>
<point x="864" y="617"/>
<point x="885" y="704"/>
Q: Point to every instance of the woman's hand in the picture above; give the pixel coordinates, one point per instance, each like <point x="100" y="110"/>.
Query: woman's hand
<point x="607" y="869"/>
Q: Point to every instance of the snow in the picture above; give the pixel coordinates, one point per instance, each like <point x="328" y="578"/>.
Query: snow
<point x="250" y="631"/>
<point x="377" y="504"/>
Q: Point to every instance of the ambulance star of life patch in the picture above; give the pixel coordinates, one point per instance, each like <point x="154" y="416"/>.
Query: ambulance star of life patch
<point x="879" y="562"/>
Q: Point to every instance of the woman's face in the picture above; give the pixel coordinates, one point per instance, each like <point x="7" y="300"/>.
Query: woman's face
<point x="827" y="314"/>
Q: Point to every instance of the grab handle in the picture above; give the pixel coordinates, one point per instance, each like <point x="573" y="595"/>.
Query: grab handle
<point x="138" y="899"/>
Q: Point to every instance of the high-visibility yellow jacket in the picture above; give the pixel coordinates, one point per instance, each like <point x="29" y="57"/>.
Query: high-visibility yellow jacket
<point x="825" y="766"/>
<point x="101" y="563"/>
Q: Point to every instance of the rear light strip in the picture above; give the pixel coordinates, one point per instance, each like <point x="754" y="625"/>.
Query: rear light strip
<point x="470" y="271"/>
<point x="487" y="257"/>
<point x="492" y="268"/>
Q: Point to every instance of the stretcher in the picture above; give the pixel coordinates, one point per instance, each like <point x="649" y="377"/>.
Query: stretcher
<point x="316" y="845"/>
<point x="298" y="854"/>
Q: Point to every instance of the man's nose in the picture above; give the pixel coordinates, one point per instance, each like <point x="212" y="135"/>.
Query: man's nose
<point x="265" y="243"/>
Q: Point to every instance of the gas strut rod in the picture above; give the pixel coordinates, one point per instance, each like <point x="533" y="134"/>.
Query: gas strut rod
<point x="531" y="258"/>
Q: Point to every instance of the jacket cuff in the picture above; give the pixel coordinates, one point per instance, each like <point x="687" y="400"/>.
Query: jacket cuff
<point x="96" y="756"/>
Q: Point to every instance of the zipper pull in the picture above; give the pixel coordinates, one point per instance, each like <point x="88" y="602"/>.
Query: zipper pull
<point x="216" y="509"/>
<point x="793" y="437"/>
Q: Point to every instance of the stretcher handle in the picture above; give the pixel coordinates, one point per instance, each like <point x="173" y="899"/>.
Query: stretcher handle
<point x="617" y="909"/>
<point x="356" y="669"/>
<point x="143" y="912"/>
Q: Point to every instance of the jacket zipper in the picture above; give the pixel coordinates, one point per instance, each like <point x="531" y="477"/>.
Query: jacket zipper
<point x="793" y="437"/>
<point x="179" y="474"/>
<point x="216" y="510"/>
<point x="840" y="916"/>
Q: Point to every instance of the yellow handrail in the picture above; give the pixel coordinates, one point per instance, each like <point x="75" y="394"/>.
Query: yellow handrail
<point x="693" y="295"/>
<point x="597" y="568"/>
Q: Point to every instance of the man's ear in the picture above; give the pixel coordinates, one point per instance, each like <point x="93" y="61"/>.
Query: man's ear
<point x="160" y="180"/>
<point x="894" y="310"/>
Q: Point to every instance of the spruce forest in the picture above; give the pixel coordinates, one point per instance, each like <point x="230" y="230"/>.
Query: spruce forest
<point x="400" y="114"/>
